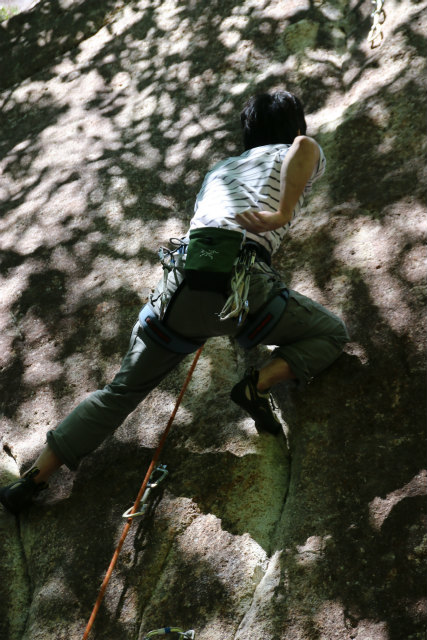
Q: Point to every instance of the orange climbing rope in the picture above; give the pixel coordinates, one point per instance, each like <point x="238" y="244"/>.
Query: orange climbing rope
<point x="138" y="498"/>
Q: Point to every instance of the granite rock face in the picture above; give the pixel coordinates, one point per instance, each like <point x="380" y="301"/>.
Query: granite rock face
<point x="111" y="113"/>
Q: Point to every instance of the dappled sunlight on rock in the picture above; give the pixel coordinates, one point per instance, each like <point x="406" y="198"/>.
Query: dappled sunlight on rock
<point x="413" y="265"/>
<point x="388" y="297"/>
<point x="304" y="280"/>
<point x="380" y="508"/>
<point x="40" y="366"/>
<point x="312" y="550"/>
<point x="106" y="276"/>
<point x="79" y="376"/>
<point x="331" y="622"/>
<point x="47" y="601"/>
<point x="8" y="467"/>
<point x="34" y="417"/>
<point x="113" y="114"/>
<point x="12" y="286"/>
<point x="207" y="559"/>
<point x="256" y="620"/>
<point x="374" y="248"/>
<point x="359" y="351"/>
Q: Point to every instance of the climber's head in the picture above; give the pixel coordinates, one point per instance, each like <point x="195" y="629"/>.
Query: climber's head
<point x="272" y="118"/>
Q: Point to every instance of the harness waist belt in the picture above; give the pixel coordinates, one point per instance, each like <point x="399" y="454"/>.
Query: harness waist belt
<point x="262" y="253"/>
<point x="164" y="336"/>
<point x="257" y="328"/>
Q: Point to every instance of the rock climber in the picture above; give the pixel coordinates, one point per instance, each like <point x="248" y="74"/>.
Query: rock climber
<point x="258" y="194"/>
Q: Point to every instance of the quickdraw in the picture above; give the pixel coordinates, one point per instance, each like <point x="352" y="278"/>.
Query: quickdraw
<point x="185" y="635"/>
<point x="376" y="35"/>
<point x="158" y="475"/>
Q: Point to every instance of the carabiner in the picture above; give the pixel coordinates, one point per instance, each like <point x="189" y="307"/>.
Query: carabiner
<point x="163" y="472"/>
<point x="185" y="635"/>
<point x="152" y="483"/>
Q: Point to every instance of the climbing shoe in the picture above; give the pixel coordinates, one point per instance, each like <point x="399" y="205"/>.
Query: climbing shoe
<point x="19" y="495"/>
<point x="259" y="404"/>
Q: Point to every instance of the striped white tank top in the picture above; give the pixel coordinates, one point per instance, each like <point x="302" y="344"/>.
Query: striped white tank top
<point x="249" y="182"/>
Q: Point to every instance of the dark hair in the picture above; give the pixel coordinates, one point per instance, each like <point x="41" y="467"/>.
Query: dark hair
<point x="272" y="119"/>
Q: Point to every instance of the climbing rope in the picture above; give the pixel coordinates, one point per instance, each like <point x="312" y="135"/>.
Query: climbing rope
<point x="376" y="35"/>
<point x="139" y="498"/>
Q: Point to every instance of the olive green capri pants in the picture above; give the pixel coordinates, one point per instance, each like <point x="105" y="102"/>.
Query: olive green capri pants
<point x="307" y="336"/>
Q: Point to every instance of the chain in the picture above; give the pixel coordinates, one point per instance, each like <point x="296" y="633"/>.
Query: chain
<point x="376" y="35"/>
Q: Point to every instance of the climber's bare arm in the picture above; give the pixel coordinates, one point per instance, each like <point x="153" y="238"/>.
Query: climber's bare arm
<point x="297" y="168"/>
